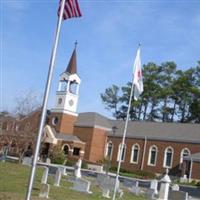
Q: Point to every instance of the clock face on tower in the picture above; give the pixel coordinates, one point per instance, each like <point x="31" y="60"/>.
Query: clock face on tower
<point x="71" y="102"/>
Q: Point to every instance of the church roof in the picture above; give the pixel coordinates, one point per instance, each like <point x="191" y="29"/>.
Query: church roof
<point x="68" y="138"/>
<point x="72" y="66"/>
<point x="92" y="119"/>
<point x="65" y="137"/>
<point x="178" y="132"/>
<point x="159" y="131"/>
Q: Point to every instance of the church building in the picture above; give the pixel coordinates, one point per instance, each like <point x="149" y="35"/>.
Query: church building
<point x="149" y="146"/>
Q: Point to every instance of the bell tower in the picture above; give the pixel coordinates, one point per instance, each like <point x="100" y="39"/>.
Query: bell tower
<point x="64" y="113"/>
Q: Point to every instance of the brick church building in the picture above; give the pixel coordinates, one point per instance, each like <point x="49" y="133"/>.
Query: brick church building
<point x="149" y="146"/>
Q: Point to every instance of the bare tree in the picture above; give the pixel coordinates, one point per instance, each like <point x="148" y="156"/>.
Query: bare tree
<point x="26" y="102"/>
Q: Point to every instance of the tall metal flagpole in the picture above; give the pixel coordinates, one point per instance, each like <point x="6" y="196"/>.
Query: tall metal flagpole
<point x="45" y="101"/>
<point x="123" y="139"/>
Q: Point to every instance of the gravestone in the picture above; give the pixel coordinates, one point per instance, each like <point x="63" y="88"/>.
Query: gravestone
<point x="149" y="194"/>
<point x="175" y="187"/>
<point x="27" y="161"/>
<point x="45" y="175"/>
<point x="135" y="190"/>
<point x="77" y="171"/>
<point x="57" y="177"/>
<point x="48" y="161"/>
<point x="107" y="184"/>
<point x="44" y="191"/>
<point x="178" y="195"/>
<point x="154" y="186"/>
<point x="82" y="185"/>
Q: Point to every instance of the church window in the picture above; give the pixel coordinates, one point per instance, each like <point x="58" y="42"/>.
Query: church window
<point x="109" y="149"/>
<point x="184" y="152"/>
<point x="135" y="153"/>
<point x="153" y="150"/>
<point x="55" y="121"/>
<point x="76" y="151"/>
<point x="168" y="157"/>
<point x="123" y="152"/>
<point x="59" y="100"/>
<point x="66" y="149"/>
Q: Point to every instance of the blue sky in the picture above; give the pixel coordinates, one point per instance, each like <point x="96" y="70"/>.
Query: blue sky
<point x="108" y="35"/>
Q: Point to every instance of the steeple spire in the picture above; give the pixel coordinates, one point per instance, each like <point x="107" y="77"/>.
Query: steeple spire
<point x="72" y="67"/>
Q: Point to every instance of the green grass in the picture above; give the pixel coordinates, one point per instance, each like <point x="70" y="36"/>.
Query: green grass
<point x="14" y="181"/>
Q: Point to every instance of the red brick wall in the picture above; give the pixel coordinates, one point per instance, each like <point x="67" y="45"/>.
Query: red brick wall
<point x="95" y="140"/>
<point x="65" y="123"/>
<point x="196" y="170"/>
<point x="161" y="145"/>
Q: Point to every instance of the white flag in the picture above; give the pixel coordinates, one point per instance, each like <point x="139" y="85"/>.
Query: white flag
<point x="137" y="74"/>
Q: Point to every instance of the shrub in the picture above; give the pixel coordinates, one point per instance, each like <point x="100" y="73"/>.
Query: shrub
<point x="135" y="173"/>
<point x="198" y="184"/>
<point x="57" y="156"/>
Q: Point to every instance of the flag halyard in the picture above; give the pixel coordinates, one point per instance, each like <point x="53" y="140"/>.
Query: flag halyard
<point x="71" y="9"/>
<point x="137" y="76"/>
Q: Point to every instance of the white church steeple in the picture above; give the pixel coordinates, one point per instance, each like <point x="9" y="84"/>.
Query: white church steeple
<point x="68" y="88"/>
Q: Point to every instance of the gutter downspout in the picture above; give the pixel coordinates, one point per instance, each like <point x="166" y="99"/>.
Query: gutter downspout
<point x="144" y="151"/>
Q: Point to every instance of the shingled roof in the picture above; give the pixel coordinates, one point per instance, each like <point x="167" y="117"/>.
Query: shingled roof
<point x="159" y="131"/>
<point x="136" y="129"/>
<point x="72" y="66"/>
<point x="92" y="119"/>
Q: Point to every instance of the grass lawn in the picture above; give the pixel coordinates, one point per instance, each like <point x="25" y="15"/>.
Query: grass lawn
<point x="14" y="180"/>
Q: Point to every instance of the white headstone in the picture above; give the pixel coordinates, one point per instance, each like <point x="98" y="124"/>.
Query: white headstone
<point x="57" y="177"/>
<point x="44" y="191"/>
<point x="82" y="185"/>
<point x="45" y="175"/>
<point x="106" y="193"/>
<point x="77" y="171"/>
<point x="27" y="161"/>
<point x="175" y="187"/>
<point x="48" y="161"/>
<point x="154" y="186"/>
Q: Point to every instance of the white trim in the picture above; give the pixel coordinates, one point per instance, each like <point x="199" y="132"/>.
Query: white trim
<point x="102" y="127"/>
<point x="149" y="156"/>
<point x="67" y="146"/>
<point x="106" y="151"/>
<point x="165" y="157"/>
<point x="82" y="152"/>
<point x="64" y="111"/>
<point x="132" y="153"/>
<point x="181" y="154"/>
<point x="118" y="154"/>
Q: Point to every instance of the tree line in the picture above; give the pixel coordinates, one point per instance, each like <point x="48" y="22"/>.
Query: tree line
<point x="170" y="95"/>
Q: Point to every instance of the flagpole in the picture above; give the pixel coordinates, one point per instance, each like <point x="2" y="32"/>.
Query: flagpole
<point x="45" y="101"/>
<point x="125" y="130"/>
<point x="123" y="140"/>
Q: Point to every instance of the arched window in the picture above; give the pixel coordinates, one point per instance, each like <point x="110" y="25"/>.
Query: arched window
<point x="153" y="151"/>
<point x="135" y="153"/>
<point x="168" y="157"/>
<point x="109" y="149"/>
<point x="123" y="152"/>
<point x="184" y="152"/>
<point x="65" y="149"/>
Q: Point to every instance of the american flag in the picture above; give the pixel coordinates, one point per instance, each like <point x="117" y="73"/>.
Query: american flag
<point x="71" y="9"/>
